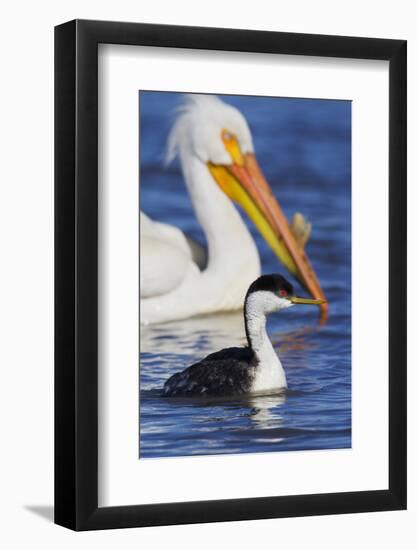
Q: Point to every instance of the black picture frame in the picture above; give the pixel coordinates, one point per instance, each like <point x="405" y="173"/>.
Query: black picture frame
<point x="76" y="272"/>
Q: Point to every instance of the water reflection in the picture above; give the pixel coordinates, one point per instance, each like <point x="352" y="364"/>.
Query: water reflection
<point x="206" y="334"/>
<point x="200" y="336"/>
<point x="265" y="410"/>
<point x="294" y="340"/>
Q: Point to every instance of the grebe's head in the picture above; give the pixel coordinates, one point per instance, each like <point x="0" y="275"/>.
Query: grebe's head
<point x="271" y="293"/>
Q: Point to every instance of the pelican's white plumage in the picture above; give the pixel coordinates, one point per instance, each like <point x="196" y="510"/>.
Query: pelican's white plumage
<point x="173" y="286"/>
<point x="214" y="145"/>
<point x="165" y="258"/>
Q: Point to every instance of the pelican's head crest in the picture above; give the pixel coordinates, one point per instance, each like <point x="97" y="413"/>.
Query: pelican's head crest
<point x="205" y="127"/>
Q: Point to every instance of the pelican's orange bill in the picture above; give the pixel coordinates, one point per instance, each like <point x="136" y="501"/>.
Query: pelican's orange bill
<point x="244" y="183"/>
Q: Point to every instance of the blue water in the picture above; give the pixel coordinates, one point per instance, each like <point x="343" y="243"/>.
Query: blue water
<point x="304" y="149"/>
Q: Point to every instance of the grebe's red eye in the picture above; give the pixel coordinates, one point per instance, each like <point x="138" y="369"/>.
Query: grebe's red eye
<point x="282" y="293"/>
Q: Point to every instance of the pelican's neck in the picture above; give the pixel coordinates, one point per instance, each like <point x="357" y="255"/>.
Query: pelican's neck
<point x="270" y="373"/>
<point x="228" y="239"/>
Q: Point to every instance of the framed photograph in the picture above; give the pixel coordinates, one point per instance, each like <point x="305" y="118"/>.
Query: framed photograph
<point x="230" y="237"/>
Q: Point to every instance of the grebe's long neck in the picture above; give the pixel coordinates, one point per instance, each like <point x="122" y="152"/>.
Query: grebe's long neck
<point x="270" y="373"/>
<point x="229" y="241"/>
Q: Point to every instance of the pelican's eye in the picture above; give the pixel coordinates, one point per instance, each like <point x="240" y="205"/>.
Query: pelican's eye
<point x="232" y="147"/>
<point x="283" y="293"/>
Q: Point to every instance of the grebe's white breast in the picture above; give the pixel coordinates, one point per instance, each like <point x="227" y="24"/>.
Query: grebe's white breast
<point x="269" y="373"/>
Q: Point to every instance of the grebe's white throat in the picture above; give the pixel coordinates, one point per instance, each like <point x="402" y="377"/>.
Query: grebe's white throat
<point x="269" y="373"/>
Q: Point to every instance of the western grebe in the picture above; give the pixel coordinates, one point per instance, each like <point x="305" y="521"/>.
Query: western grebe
<point x="252" y="369"/>
<point x="179" y="280"/>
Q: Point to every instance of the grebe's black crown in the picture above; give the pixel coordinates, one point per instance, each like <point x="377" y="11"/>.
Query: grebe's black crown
<point x="272" y="282"/>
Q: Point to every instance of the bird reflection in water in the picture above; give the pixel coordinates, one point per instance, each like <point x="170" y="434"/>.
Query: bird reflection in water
<point x="193" y="336"/>
<point x="208" y="332"/>
<point x="264" y="410"/>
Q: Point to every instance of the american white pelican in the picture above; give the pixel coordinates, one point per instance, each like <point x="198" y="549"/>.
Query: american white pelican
<point x="255" y="369"/>
<point x="214" y="145"/>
